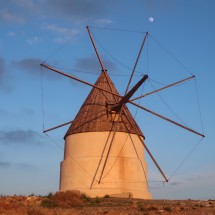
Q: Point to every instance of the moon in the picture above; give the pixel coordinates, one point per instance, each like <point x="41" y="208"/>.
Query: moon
<point x="151" y="19"/>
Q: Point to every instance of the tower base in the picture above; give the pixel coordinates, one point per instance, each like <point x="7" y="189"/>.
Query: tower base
<point x="124" y="174"/>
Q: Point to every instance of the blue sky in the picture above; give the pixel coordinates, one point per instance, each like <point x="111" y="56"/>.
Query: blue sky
<point x="33" y="31"/>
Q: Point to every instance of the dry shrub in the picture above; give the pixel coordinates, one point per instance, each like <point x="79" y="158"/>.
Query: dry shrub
<point x="63" y="199"/>
<point x="152" y="208"/>
<point x="67" y="199"/>
<point x="36" y="211"/>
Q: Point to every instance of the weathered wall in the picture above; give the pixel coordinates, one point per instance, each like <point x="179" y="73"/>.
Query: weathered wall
<point x="124" y="171"/>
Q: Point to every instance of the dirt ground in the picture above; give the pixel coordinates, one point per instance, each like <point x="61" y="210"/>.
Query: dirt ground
<point x="31" y="205"/>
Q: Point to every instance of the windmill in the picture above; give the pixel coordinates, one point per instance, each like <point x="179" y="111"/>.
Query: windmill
<point x="104" y="146"/>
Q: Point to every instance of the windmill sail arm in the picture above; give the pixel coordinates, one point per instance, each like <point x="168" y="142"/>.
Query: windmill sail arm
<point x="98" y="56"/>
<point x="101" y="158"/>
<point x="162" y="88"/>
<point x="96" y="50"/>
<point x="75" y="120"/>
<point x="134" y="89"/>
<point x="77" y="79"/>
<point x="126" y="98"/>
<point x="149" y="153"/>
<point x="58" y="126"/>
<point x="136" y="62"/>
<point x="167" y="119"/>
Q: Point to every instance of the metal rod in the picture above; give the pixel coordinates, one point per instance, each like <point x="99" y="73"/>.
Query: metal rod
<point x="99" y="58"/>
<point x="96" y="50"/>
<point x="136" y="152"/>
<point x="146" y="148"/>
<point x="170" y="85"/>
<point x="109" y="84"/>
<point x="107" y="156"/>
<point x="113" y="124"/>
<point x="155" y="162"/>
<point x="77" y="79"/>
<point x="102" y="155"/>
<point x="58" y="126"/>
<point x="126" y="97"/>
<point x="111" y="143"/>
<point x="66" y="123"/>
<point x="167" y="119"/>
<point x="135" y="65"/>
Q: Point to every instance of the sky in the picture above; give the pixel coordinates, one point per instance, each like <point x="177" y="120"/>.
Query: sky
<point x="180" y="44"/>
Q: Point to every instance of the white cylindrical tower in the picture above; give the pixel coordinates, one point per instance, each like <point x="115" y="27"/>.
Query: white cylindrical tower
<point x="103" y="152"/>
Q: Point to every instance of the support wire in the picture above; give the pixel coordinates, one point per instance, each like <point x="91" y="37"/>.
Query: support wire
<point x="42" y="98"/>
<point x="183" y="161"/>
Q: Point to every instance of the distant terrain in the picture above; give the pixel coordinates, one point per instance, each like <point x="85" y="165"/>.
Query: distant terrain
<point x="73" y="203"/>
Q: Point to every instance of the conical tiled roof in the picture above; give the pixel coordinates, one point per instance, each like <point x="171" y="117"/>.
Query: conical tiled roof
<point x="93" y="115"/>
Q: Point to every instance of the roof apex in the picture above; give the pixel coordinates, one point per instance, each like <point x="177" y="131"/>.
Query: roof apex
<point x="94" y="116"/>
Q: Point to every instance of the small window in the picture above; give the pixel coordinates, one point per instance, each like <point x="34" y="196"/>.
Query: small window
<point x="114" y="117"/>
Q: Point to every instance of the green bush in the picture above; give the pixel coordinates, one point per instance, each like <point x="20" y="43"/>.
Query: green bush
<point x="140" y="206"/>
<point x="85" y="198"/>
<point x="49" y="195"/>
<point x="167" y="208"/>
<point x="97" y="200"/>
<point x="48" y="203"/>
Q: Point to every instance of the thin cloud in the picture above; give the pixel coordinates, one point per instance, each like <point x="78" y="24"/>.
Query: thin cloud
<point x="102" y="22"/>
<point x="5" y="164"/>
<point x="18" y="12"/>
<point x="62" y="34"/>
<point x="20" y="166"/>
<point x="20" y="137"/>
<point x="9" y="16"/>
<point x="199" y="177"/>
<point x="23" y="11"/>
<point x="79" y="8"/>
<point x="175" y="183"/>
<point x="91" y="64"/>
<point x="24" y="166"/>
<point x="27" y="4"/>
<point x="4" y="86"/>
<point x="28" y="112"/>
<point x="6" y="114"/>
<point x="82" y="11"/>
<point x="32" y="67"/>
<point x="11" y="34"/>
<point x="157" y="6"/>
<point x="33" y="40"/>
<point x="2" y="68"/>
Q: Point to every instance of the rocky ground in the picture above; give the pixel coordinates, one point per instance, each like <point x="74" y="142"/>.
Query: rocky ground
<point x="34" y="205"/>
